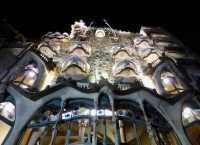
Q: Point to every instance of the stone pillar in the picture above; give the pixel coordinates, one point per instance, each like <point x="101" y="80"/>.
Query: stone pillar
<point x="114" y="123"/>
<point x="82" y="125"/>
<point x="122" y="131"/>
<point x="95" y="122"/>
<point x="148" y="123"/>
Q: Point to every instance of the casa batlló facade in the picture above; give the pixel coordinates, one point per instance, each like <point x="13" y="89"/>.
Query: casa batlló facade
<point x="98" y="85"/>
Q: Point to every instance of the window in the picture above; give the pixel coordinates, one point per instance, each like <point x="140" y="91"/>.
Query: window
<point x="28" y="76"/>
<point x="191" y="124"/>
<point x="114" y="40"/>
<point x="170" y="83"/>
<point x="83" y="38"/>
<point x="7" y="114"/>
<point x="7" y="110"/>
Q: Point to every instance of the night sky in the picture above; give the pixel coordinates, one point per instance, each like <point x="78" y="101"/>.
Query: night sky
<point x="35" y="18"/>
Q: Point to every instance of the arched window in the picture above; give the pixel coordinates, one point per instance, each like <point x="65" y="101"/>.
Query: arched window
<point x="133" y="128"/>
<point x="7" y="110"/>
<point x="170" y="83"/>
<point x="191" y="123"/>
<point x="28" y="76"/>
<point x="7" y="118"/>
<point x="42" y="121"/>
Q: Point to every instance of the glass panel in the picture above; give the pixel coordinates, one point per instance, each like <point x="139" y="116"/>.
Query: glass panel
<point x="144" y="136"/>
<point x="196" y="113"/>
<point x="32" y="135"/>
<point x="154" y="116"/>
<point x="129" y="133"/>
<point x="109" y="131"/>
<point x="3" y="131"/>
<point x="193" y="132"/>
<point x="74" y="132"/>
<point x="29" y="73"/>
<point x="165" y="137"/>
<point x="167" y="84"/>
<point x="19" y="78"/>
<point x="48" y="113"/>
<point x="187" y="116"/>
<point x="80" y="111"/>
<point x="170" y="83"/>
<point x="7" y="110"/>
<point x="61" y="136"/>
<point x="30" y="79"/>
<point x="130" y="110"/>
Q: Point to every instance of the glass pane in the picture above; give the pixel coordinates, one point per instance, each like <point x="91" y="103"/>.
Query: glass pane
<point x="193" y="132"/>
<point x="187" y="116"/>
<point x="177" y="84"/>
<point x="165" y="137"/>
<point x="32" y="135"/>
<point x="3" y="131"/>
<point x="167" y="84"/>
<point x="74" y="132"/>
<point x="154" y="116"/>
<point x="30" y="79"/>
<point x="61" y="136"/>
<point x="129" y="133"/>
<point x="174" y="92"/>
<point x="144" y="136"/>
<point x="19" y="78"/>
<point x="78" y="110"/>
<point x="48" y="113"/>
<point x="7" y="110"/>
<point x="130" y="109"/>
<point x="196" y="113"/>
<point x="109" y="131"/>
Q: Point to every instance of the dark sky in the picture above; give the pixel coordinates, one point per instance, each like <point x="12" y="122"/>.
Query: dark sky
<point x="36" y="18"/>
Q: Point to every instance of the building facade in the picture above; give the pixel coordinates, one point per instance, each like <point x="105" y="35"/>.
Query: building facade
<point x="98" y="85"/>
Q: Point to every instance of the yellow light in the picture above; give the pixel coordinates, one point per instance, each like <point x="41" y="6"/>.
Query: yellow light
<point x="148" y="82"/>
<point x="93" y="112"/>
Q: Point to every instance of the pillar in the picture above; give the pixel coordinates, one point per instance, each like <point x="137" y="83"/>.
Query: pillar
<point x="82" y="125"/>
<point x="122" y="131"/>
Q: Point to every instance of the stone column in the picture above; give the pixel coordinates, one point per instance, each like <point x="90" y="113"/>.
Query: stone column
<point x="122" y="131"/>
<point x="148" y="123"/>
<point x="114" y="123"/>
<point x="82" y="125"/>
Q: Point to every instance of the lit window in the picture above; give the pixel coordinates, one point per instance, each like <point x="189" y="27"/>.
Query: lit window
<point x="7" y="110"/>
<point x="28" y="77"/>
<point x="83" y="38"/>
<point x="170" y="83"/>
<point x="114" y="40"/>
<point x="187" y="116"/>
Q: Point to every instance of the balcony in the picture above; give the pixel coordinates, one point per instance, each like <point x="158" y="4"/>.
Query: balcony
<point x="122" y="65"/>
<point x="76" y="60"/>
<point x="82" y="45"/>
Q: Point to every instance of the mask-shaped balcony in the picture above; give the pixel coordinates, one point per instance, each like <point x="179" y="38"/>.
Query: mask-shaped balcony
<point x="126" y="67"/>
<point x="75" y="61"/>
<point x="116" y="49"/>
<point x="81" y="45"/>
<point x="49" y="48"/>
<point x="138" y="40"/>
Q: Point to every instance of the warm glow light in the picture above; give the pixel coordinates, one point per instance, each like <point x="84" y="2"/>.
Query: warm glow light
<point x="93" y="112"/>
<point x="186" y="115"/>
<point x="31" y="74"/>
<point x="108" y="113"/>
<point x="31" y="81"/>
<point x="9" y="107"/>
<point x="187" y="110"/>
<point x="86" y="112"/>
<point x="166" y="80"/>
<point x="148" y="82"/>
<point x="23" y="86"/>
